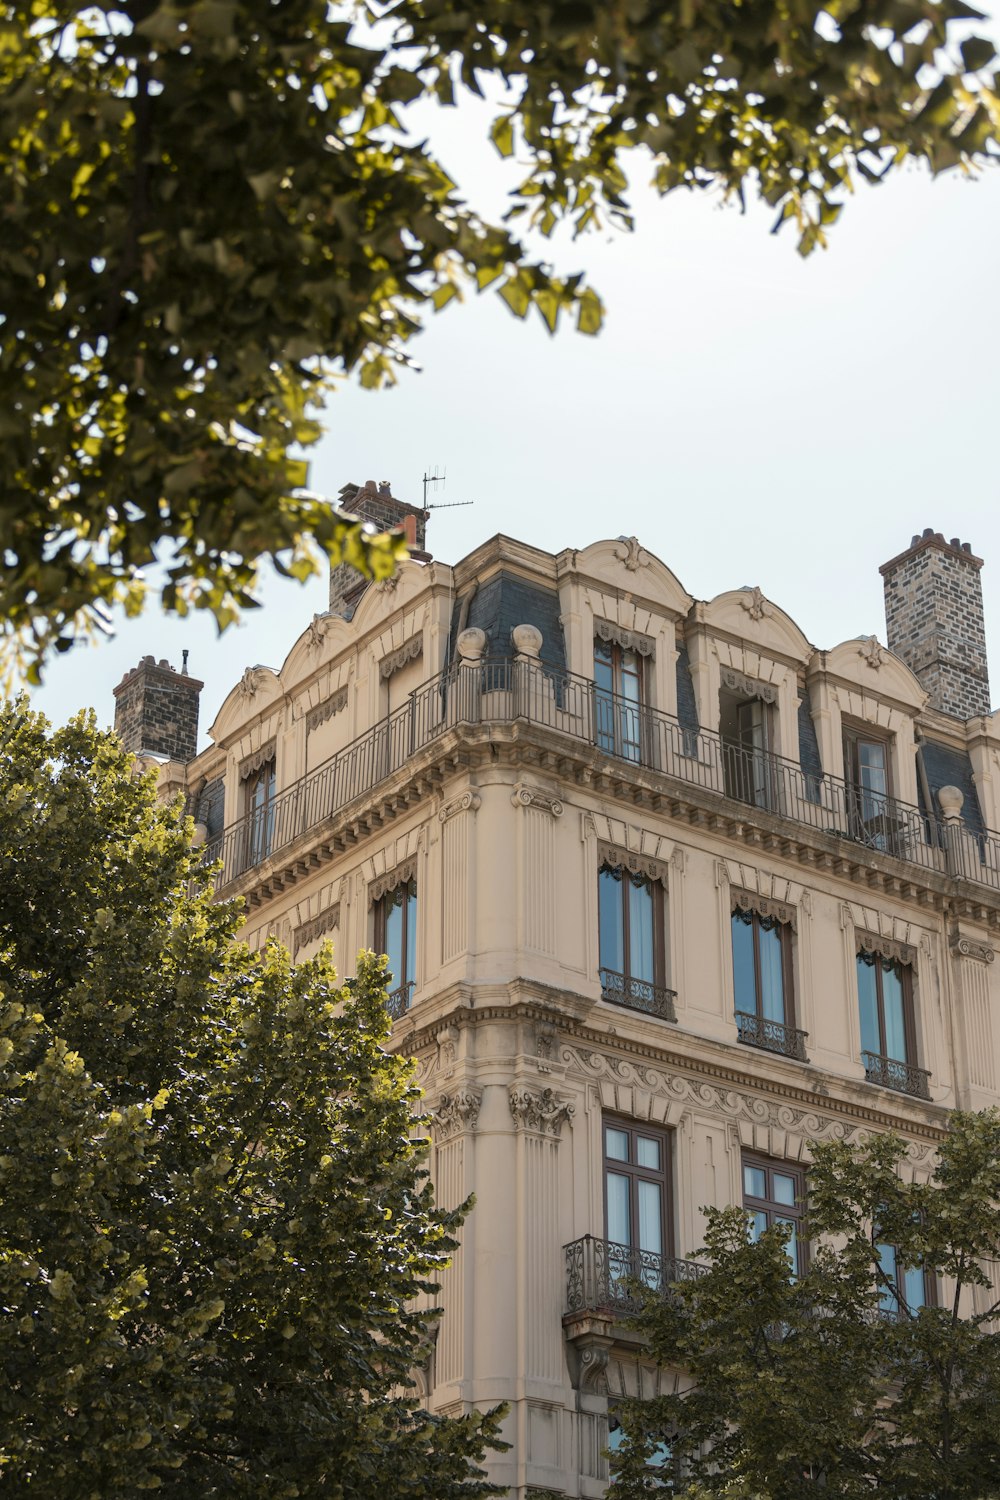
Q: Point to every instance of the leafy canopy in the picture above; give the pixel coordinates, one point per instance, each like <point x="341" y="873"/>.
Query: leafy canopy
<point x="840" y="1377"/>
<point x="214" y="1219"/>
<point x="212" y="208"/>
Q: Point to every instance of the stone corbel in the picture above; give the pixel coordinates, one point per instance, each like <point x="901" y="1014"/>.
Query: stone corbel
<point x="542" y="1112"/>
<point x="589" y="1348"/>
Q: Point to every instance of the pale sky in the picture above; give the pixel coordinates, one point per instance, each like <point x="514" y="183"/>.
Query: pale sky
<point x="752" y="418"/>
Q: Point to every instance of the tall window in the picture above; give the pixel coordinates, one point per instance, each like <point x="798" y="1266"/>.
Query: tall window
<point x="762" y="983"/>
<point x="866" y="767"/>
<point x="908" y="1289"/>
<point x="396" y="937"/>
<point x="259" y="803"/>
<point x="631" y="940"/>
<point x="636" y="1199"/>
<point x="773" y="1193"/>
<point x="618" y="700"/>
<point x="746" y="731"/>
<point x="885" y="1006"/>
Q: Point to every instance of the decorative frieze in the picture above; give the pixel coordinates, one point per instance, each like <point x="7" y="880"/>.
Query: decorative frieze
<point x="536" y="796"/>
<point x="636" y="864"/>
<point x="542" y="1112"/>
<point x="396" y="660"/>
<point x="399" y="875"/>
<point x="748" y="687"/>
<point x="967" y="947"/>
<point x="255" y="762"/>
<point x="467" y="802"/>
<point x="457" y="1112"/>
<point x="628" y="640"/>
<point x="316" y="927"/>
<point x="890" y="948"/>
<point x="764" y="906"/>
<point x="335" y="704"/>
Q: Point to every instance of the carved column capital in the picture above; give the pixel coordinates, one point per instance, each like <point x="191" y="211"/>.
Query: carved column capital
<point x="540" y="1111"/>
<point x="457" y="1112"/>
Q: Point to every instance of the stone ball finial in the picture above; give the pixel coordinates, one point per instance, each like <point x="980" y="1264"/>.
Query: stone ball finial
<point x="471" y="644"/>
<point x="951" y="800"/>
<point x="527" y="640"/>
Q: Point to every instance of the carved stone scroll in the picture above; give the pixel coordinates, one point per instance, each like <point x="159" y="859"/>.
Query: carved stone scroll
<point x="748" y="687"/>
<point x="408" y="652"/>
<point x="637" y="864"/>
<point x="543" y="1111"/>
<point x="536" y="796"/>
<point x="468" y="802"/>
<point x="335" y="704"/>
<point x="967" y="947"/>
<point x="778" y="911"/>
<point x="629" y="640"/>
<point x="255" y="762"/>
<point x="389" y="881"/>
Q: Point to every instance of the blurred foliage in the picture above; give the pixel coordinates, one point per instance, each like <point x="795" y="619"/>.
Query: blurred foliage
<point x="212" y="209"/>
<point x="215" y="1220"/>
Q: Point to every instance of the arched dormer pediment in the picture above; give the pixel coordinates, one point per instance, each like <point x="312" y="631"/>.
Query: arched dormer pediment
<point x="325" y="638"/>
<point x="624" y="565"/>
<point x="257" y="691"/>
<point x="389" y="595"/>
<point x="749" y="616"/>
<point x="865" y="664"/>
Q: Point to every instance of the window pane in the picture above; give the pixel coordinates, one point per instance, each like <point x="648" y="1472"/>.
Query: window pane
<point x="744" y="983"/>
<point x="792" y="1246"/>
<point x="868" y="1004"/>
<point x="871" y="766"/>
<point x="411" y="933"/>
<point x="640" y="922"/>
<point x="784" y="1188"/>
<point x="772" y="986"/>
<point x="914" y="1288"/>
<point x="609" y="897"/>
<point x="758" y="1223"/>
<point x="892" y="1004"/>
<point x="888" y="1301"/>
<point x="647" y="1152"/>
<point x="754" y="1182"/>
<point x="619" y="1222"/>
<point x="394" y="938"/>
<point x="650" y="1216"/>
<point x="616" y="1144"/>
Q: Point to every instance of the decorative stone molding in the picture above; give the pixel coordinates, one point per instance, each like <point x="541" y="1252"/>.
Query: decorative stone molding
<point x="871" y="942"/>
<point x="629" y="640"/>
<point x="448" y="1046"/>
<point x="527" y="640"/>
<point x="678" y="860"/>
<point x="316" y="631"/>
<point x="468" y="802"/>
<point x="251" y="682"/>
<point x="748" y="687"/>
<point x="396" y="660"/>
<point x="754" y="603"/>
<point x="779" y="911"/>
<point x="457" y="1112"/>
<point x="389" y="881"/>
<point x="316" y="927"/>
<point x="335" y="704"/>
<point x="535" y="796"/>
<point x="592" y="1363"/>
<point x="387" y="585"/>
<point x="539" y="1111"/>
<point x="255" y="762"/>
<point x="967" y="947"/>
<point x="871" y="652"/>
<point x="629" y="552"/>
<point x="721" y="873"/>
<point x="545" y="1040"/>
<point x="636" y="864"/>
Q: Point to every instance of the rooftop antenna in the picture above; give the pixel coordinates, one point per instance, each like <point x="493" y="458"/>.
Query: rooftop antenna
<point x="441" y="478"/>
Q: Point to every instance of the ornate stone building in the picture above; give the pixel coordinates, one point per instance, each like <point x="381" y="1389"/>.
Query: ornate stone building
<point x="667" y="891"/>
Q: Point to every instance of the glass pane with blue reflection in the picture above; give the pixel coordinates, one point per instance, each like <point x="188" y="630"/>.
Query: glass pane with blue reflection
<point x="871" y="1041"/>
<point x="640" y="924"/>
<point x="611" y="920"/>
<point x="619" y="1217"/>
<point x="772" y="983"/>
<point x="744" y="978"/>
<point x="604" y="682"/>
<point x="892" y="1006"/>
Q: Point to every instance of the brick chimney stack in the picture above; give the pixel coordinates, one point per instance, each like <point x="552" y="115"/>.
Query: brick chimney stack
<point x="377" y="505"/>
<point x="934" y="621"/>
<point x="156" y="710"/>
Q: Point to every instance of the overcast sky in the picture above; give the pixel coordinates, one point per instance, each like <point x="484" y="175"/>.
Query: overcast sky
<point x="751" y="417"/>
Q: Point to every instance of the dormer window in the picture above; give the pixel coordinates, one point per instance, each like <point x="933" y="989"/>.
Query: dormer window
<point x="746" y="730"/>
<point x="259" y="791"/>
<point x="618" y="700"/>
<point x="869" y="789"/>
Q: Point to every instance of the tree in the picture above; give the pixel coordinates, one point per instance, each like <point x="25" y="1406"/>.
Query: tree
<point x="213" y="208"/>
<point x="875" y="1370"/>
<point x="214" y="1219"/>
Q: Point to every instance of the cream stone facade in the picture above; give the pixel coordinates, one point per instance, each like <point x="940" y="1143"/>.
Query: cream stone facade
<point x="490" y="738"/>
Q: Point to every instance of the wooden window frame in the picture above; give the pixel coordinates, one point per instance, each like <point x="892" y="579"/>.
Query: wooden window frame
<point x="635" y="1173"/>
<point x="381" y="909"/>
<point x="260" y="819"/>
<point x="659" y="924"/>
<point x="930" y="1279"/>
<point x="754" y="919"/>
<point x="619" y="703"/>
<point x="909" y="1018"/>
<point x="770" y="1205"/>
<point x="855" y="734"/>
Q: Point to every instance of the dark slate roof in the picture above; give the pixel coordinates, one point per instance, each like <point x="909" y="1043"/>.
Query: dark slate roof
<point x="947" y="767"/>
<point x="211" y="807"/>
<point x="504" y="601"/>
<point x="808" y="743"/>
<point x="687" y="707"/>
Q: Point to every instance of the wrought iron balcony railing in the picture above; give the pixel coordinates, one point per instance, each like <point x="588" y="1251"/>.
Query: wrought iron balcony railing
<point x="506" y="691"/>
<point x="397" y="1002"/>
<point x="638" y="994"/>
<point x="604" y="1277"/>
<point x="894" y="1074"/>
<point x="771" y="1036"/>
